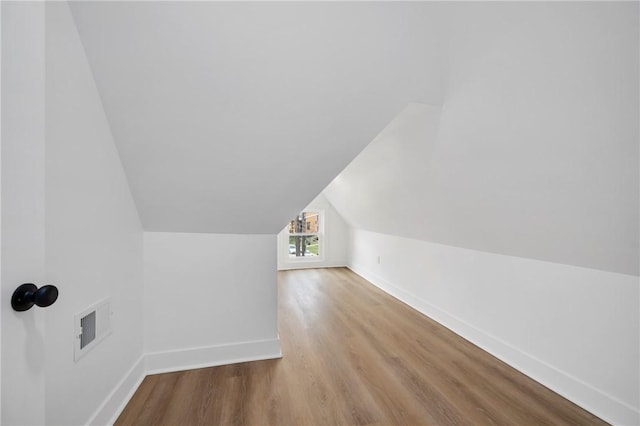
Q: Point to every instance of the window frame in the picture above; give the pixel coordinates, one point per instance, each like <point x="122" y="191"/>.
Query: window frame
<point x="320" y="234"/>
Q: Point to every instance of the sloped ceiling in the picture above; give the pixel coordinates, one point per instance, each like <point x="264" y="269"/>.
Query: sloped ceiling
<point x="388" y="187"/>
<point x="230" y="117"/>
<point x="534" y="150"/>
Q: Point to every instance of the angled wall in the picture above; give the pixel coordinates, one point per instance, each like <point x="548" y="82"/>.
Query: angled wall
<point x="68" y="219"/>
<point x="510" y="214"/>
<point x="538" y="146"/>
<point x="93" y="234"/>
<point x="536" y="151"/>
<point x="529" y="167"/>
<point x="388" y="186"/>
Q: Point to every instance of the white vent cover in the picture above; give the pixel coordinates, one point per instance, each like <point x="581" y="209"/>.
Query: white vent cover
<point x="91" y="327"/>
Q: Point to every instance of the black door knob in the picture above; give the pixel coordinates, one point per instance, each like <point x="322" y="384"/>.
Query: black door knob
<point x="29" y="294"/>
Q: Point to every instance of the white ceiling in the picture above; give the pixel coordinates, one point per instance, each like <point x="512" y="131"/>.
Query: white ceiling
<point x="534" y="149"/>
<point x="388" y="187"/>
<point x="230" y="117"/>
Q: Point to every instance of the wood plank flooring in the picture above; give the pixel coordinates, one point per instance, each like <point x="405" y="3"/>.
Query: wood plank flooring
<point x="353" y="356"/>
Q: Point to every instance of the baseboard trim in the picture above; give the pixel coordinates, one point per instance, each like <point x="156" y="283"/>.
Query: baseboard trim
<point x="210" y="356"/>
<point x="113" y="405"/>
<point x="312" y="266"/>
<point x="584" y="395"/>
<point x="179" y="360"/>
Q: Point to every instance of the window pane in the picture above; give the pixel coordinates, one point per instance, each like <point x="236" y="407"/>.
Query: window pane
<point x="305" y="222"/>
<point x="303" y="246"/>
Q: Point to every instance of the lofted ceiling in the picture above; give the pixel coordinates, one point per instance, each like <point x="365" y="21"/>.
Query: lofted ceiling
<point x="230" y="117"/>
<point x="389" y="188"/>
<point x="533" y="151"/>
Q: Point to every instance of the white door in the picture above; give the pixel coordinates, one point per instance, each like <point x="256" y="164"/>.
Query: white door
<point x="22" y="216"/>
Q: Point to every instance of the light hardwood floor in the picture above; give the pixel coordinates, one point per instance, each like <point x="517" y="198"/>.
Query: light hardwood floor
<point x="353" y="355"/>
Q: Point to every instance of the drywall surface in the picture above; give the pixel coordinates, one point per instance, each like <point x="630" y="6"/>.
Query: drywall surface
<point x="0" y="206"/>
<point x="534" y="152"/>
<point x="387" y="187"/>
<point x="23" y="214"/>
<point x="575" y="330"/>
<point x="251" y="104"/>
<point x="541" y="123"/>
<point x="93" y="233"/>
<point x="333" y="238"/>
<point x="207" y="290"/>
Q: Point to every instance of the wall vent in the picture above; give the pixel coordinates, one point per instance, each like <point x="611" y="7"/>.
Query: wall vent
<point x="91" y="327"/>
<point x="88" y="327"/>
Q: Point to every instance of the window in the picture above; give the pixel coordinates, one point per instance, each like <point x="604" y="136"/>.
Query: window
<point x="304" y="235"/>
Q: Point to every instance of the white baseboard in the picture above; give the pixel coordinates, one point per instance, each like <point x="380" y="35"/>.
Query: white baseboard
<point x="311" y="265"/>
<point x="113" y="405"/>
<point x="591" y="399"/>
<point x="209" y="356"/>
<point x="178" y="360"/>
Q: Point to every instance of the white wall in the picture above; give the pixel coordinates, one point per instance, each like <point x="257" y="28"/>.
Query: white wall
<point x="0" y="204"/>
<point x="575" y="330"/>
<point x="533" y="154"/>
<point x="534" y="151"/>
<point x="23" y="214"/>
<point x="93" y="233"/>
<point x="334" y="240"/>
<point x="210" y="299"/>
<point x="388" y="187"/>
<point x="68" y="219"/>
<point x="540" y="125"/>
